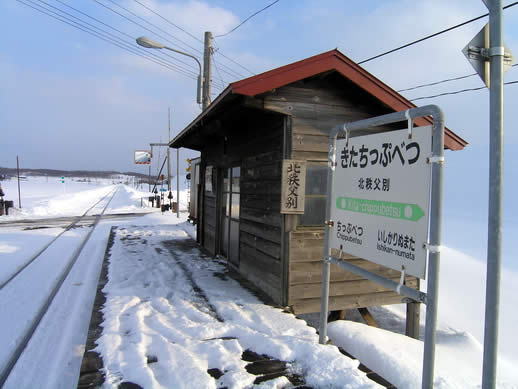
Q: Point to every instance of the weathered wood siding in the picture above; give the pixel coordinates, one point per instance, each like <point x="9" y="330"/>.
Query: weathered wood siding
<point x="316" y="106"/>
<point x="347" y="290"/>
<point x="254" y="142"/>
<point x="209" y="219"/>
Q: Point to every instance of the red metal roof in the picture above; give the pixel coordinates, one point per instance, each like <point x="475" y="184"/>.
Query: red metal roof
<point x="331" y="60"/>
<point x="335" y="60"/>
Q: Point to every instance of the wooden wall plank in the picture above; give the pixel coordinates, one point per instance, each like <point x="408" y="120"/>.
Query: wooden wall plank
<point x="353" y="287"/>
<point x="273" y="249"/>
<point x="305" y="277"/>
<point x="348" y="302"/>
<point x="267" y="232"/>
<point x="266" y="283"/>
<point x="262" y="217"/>
<point x="301" y="276"/>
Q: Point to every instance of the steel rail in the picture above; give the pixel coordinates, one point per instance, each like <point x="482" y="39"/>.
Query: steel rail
<point x="36" y="255"/>
<point x="7" y="369"/>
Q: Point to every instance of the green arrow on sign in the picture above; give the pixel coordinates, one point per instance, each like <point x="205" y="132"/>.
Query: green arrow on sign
<point x="411" y="212"/>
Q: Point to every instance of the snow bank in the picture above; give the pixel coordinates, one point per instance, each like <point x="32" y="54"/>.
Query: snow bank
<point x="399" y="358"/>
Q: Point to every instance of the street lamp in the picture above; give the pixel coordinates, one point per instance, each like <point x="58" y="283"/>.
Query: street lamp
<point x="151" y="44"/>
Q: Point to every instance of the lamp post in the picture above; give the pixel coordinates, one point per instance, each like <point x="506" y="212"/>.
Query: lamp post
<point x="151" y="44"/>
<point x="202" y="92"/>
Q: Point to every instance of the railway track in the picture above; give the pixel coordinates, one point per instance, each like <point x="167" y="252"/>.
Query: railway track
<point x="64" y="221"/>
<point x="27" y="293"/>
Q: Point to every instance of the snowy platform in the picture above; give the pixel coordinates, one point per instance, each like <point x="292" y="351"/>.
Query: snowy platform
<point x="173" y="317"/>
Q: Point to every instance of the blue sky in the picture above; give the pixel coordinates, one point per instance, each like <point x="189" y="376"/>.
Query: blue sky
<point x="71" y="101"/>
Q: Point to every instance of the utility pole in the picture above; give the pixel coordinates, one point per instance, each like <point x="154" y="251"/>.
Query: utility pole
<point x="178" y="182"/>
<point x="18" y="174"/>
<point x="149" y="176"/>
<point x="168" y="152"/>
<point x="207" y="71"/>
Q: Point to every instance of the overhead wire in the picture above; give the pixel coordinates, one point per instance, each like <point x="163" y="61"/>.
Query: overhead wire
<point x="157" y="27"/>
<point x="168" y="21"/>
<point x="432" y="35"/>
<point x="150" y="23"/>
<point x="217" y="70"/>
<point x="174" y="58"/>
<point x="459" y="91"/>
<point x="131" y="44"/>
<point x="247" y="19"/>
<point x="98" y="35"/>
<point x="199" y="40"/>
<point x="133" y="21"/>
<point x="218" y="51"/>
<point x="437" y="82"/>
<point x="441" y="82"/>
<point x="104" y="35"/>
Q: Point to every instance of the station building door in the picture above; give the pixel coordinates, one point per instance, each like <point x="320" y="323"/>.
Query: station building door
<point x="230" y="202"/>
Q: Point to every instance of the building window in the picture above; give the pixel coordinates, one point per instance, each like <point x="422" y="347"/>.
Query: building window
<point x="210" y="183"/>
<point x="316" y="188"/>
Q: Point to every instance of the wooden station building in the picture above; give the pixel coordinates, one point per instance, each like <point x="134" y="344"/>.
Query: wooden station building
<point x="244" y="137"/>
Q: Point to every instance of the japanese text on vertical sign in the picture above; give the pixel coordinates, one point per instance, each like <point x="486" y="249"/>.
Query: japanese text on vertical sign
<point x="293" y="186"/>
<point x="293" y="182"/>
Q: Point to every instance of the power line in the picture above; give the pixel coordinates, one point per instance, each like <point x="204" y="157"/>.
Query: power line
<point x="107" y="35"/>
<point x="92" y="32"/>
<point x="441" y="82"/>
<point x="168" y="21"/>
<point x="117" y="30"/>
<point x="433" y="35"/>
<point x="231" y="60"/>
<point x="134" y="22"/>
<point x="140" y="25"/>
<point x="248" y="18"/>
<point x="217" y="70"/>
<point x="460" y="91"/>
<point x="112" y="36"/>
<point x="218" y="51"/>
<point x="159" y="28"/>
<point x="437" y="82"/>
<point x="194" y="37"/>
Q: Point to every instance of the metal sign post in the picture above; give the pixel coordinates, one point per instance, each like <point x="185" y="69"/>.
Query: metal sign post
<point x="406" y="212"/>
<point x="491" y="58"/>
<point x="496" y="162"/>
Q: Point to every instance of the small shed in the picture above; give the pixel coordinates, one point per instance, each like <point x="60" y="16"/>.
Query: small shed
<point x="245" y="135"/>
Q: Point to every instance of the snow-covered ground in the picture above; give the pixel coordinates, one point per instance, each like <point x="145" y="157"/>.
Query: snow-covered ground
<point x="152" y="310"/>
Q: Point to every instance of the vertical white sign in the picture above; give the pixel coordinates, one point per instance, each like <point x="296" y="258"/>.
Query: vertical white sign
<point x="293" y="190"/>
<point x="381" y="198"/>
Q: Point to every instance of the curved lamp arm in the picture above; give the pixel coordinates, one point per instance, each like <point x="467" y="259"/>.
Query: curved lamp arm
<point x="151" y="44"/>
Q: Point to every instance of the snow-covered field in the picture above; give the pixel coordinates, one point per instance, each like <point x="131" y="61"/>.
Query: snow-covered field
<point x="152" y="310"/>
